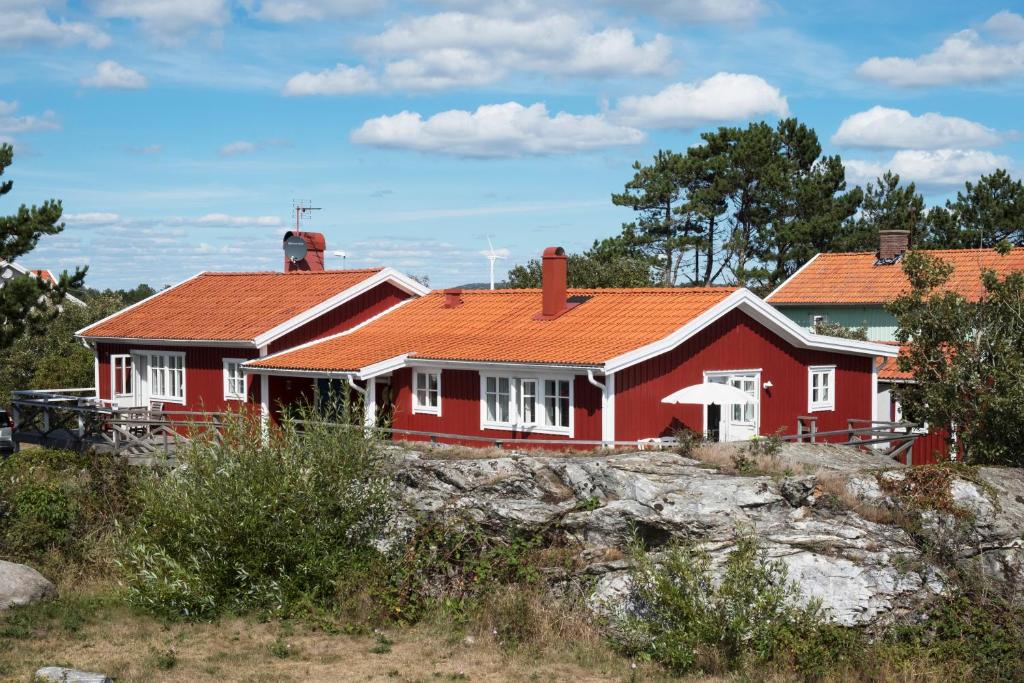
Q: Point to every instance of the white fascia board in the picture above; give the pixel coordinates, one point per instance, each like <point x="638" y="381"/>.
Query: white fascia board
<point x="383" y="367"/>
<point x="350" y="330"/>
<point x="322" y="374"/>
<point x="763" y="313"/>
<point x="79" y="334"/>
<point x="497" y="365"/>
<point x="387" y="275"/>
<point x="229" y="343"/>
<point x="792" y="277"/>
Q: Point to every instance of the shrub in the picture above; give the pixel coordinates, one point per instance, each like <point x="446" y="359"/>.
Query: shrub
<point x="688" y="442"/>
<point x="55" y="505"/>
<point x="253" y="524"/>
<point x="687" y="620"/>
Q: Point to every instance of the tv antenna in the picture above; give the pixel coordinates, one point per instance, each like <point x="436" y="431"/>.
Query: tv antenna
<point x="493" y="255"/>
<point x="303" y="207"/>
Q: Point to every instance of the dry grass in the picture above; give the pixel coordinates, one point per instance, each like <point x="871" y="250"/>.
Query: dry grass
<point x="730" y="458"/>
<point x="834" y="485"/>
<point x="515" y="637"/>
<point x="442" y="451"/>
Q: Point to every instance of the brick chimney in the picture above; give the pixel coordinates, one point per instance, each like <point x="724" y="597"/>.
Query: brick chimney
<point x="313" y="260"/>
<point x="554" y="273"/>
<point x="452" y="298"/>
<point x="892" y="244"/>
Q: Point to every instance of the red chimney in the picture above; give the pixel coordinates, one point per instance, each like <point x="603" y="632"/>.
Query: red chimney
<point x="304" y="251"/>
<point x="452" y="298"/>
<point x="553" y="280"/>
<point x="892" y="244"/>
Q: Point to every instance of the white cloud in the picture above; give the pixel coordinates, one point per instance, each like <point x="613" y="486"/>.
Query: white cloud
<point x="1006" y="25"/>
<point x="548" y="43"/>
<point x="940" y="168"/>
<point x="496" y="130"/>
<point x="699" y="10"/>
<point x="92" y="218"/>
<point x="286" y="11"/>
<point x="23" y="21"/>
<point x="723" y="97"/>
<point x="9" y="123"/>
<point x="882" y="127"/>
<point x="225" y="220"/>
<point x="110" y="74"/>
<point x="341" y="80"/>
<point x="439" y="69"/>
<point x="167" y="19"/>
<point x="964" y="57"/>
<point x="238" y="147"/>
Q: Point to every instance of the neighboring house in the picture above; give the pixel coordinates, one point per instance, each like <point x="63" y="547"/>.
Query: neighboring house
<point x="10" y="270"/>
<point x="853" y="289"/>
<point x="582" y="364"/>
<point x="184" y="346"/>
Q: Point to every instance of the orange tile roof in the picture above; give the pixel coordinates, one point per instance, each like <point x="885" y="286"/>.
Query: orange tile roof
<point x="855" y="279"/>
<point x="498" y="326"/>
<point x="45" y="276"/>
<point x="227" y="306"/>
<point x="890" y="371"/>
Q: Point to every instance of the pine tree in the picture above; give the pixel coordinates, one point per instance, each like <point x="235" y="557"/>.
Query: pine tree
<point x="28" y="301"/>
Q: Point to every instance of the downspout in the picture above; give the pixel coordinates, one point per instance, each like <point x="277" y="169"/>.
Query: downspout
<point x="352" y="383"/>
<point x="593" y="380"/>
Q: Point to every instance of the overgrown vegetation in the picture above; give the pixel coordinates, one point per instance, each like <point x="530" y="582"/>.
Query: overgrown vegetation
<point x="253" y="524"/>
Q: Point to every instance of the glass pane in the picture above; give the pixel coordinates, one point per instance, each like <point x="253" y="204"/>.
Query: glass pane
<point x="528" y="402"/>
<point x="432" y="382"/>
<point x="563" y="404"/>
<point x="492" y="384"/>
<point x="492" y="403"/>
<point x="549" y="410"/>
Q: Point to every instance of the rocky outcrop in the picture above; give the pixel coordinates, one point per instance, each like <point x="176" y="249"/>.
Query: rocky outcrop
<point x="60" y="674"/>
<point x="22" y="585"/>
<point x="861" y="570"/>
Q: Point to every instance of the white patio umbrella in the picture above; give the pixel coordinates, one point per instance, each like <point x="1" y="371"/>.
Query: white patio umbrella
<point x="708" y="393"/>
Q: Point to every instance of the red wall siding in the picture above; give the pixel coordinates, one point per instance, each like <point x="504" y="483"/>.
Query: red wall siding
<point x="349" y="314"/>
<point x="204" y="373"/>
<point x="737" y="342"/>
<point x="460" y="409"/>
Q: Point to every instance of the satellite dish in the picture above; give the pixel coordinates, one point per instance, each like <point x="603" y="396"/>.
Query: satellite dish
<point x="295" y="248"/>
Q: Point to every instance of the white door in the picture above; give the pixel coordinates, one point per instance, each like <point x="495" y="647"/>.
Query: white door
<point x="738" y="422"/>
<point x="125" y="385"/>
<point x="140" y="367"/>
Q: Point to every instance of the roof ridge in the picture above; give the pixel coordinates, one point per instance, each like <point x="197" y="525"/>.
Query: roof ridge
<point x="294" y="272"/>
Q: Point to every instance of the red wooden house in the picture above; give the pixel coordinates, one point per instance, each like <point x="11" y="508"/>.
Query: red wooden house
<point x="184" y="346"/>
<point x="588" y="365"/>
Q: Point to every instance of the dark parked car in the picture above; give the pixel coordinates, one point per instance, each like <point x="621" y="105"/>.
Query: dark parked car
<point x="6" y="429"/>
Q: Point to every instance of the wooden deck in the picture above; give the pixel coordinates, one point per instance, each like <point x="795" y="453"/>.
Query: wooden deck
<point x="75" y="419"/>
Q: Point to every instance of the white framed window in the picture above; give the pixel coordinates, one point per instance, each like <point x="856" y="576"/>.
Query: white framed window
<point x="121" y="384"/>
<point x="234" y="380"/>
<point x="167" y="375"/>
<point x="821" y="388"/>
<point x="539" y="404"/>
<point x="426" y="395"/>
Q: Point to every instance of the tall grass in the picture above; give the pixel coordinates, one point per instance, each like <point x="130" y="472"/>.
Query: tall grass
<point x="250" y="521"/>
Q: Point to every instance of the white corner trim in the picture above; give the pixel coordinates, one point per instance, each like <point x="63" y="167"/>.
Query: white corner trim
<point x="322" y="340"/>
<point x="763" y="313"/>
<point x="792" y="277"/>
<point x="608" y="411"/>
<point x="387" y="275"/>
<point x="81" y="333"/>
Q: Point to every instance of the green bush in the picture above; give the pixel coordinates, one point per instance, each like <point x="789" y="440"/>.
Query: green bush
<point x="253" y="524"/>
<point x="687" y="620"/>
<point x="55" y="505"/>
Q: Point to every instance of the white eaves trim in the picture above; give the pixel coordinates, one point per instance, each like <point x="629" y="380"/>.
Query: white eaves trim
<point x="384" y="367"/>
<point x="79" y="335"/>
<point x="792" y="277"/>
<point x="763" y="313"/>
<point x="400" y="280"/>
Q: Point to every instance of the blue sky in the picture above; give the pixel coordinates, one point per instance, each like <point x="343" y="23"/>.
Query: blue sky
<point x="178" y="133"/>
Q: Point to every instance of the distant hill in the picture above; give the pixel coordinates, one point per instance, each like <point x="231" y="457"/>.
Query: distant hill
<point x="481" y="285"/>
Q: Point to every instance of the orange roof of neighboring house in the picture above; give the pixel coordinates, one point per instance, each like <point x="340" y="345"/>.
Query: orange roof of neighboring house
<point x="855" y="279"/>
<point x="45" y="276"/>
<point x="889" y="370"/>
<point x="498" y="326"/>
<point x="227" y="306"/>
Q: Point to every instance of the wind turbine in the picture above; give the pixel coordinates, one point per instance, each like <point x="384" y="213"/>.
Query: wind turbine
<point x="493" y="255"/>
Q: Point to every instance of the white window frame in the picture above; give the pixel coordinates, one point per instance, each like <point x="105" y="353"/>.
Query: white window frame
<point x="427" y="373"/>
<point x="127" y="371"/>
<point x="228" y="394"/>
<point x="821" y="405"/>
<point x="516" y="421"/>
<point x="150" y="385"/>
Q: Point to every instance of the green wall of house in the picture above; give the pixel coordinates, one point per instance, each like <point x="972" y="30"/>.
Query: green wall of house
<point x="881" y="325"/>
